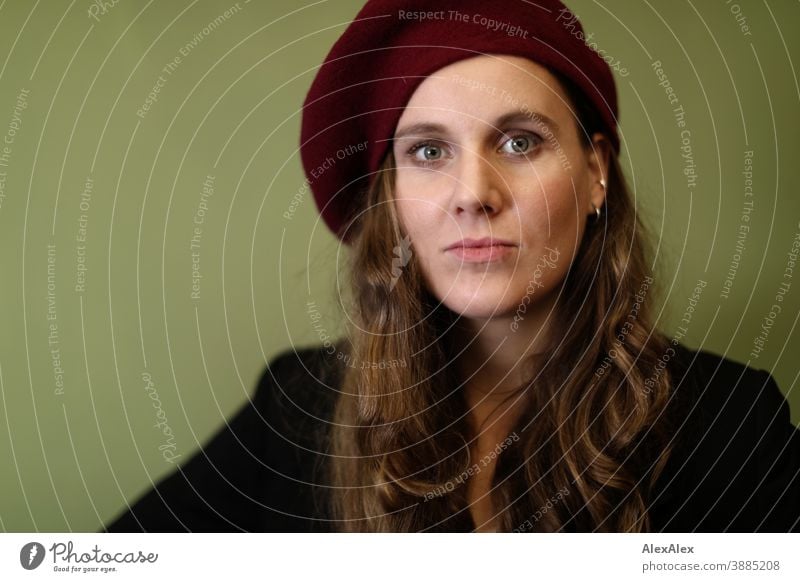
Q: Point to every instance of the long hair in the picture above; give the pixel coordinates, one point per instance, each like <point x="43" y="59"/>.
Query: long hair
<point x="594" y="435"/>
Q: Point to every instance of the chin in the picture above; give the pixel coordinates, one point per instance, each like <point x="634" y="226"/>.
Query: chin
<point x="482" y="304"/>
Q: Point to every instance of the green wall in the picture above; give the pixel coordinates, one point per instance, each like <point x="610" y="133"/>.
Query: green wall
<point x="98" y="325"/>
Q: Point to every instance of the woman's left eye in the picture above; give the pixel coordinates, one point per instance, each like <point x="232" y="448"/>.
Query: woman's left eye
<point x="521" y="144"/>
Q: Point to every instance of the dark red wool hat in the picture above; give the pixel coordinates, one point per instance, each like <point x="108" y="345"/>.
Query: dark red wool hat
<point x="370" y="74"/>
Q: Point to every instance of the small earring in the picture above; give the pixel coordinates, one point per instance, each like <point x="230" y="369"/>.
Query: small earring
<point x="596" y="209"/>
<point x="596" y="212"/>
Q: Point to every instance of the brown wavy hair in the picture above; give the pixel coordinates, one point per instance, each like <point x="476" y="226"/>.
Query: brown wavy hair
<point x="593" y="437"/>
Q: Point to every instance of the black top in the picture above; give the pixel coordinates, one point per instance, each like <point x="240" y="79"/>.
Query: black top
<point x="737" y="466"/>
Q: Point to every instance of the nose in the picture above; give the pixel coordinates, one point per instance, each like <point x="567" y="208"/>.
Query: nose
<point x="478" y="187"/>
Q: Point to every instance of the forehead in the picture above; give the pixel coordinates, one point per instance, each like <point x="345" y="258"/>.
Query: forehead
<point x="486" y="85"/>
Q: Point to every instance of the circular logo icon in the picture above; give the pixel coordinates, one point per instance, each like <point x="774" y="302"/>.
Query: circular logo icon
<point x="31" y="555"/>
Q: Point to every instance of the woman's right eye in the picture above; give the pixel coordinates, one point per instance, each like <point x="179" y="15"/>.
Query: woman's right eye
<point x="426" y="153"/>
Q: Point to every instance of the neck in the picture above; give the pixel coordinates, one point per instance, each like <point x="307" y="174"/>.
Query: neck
<point x="494" y="363"/>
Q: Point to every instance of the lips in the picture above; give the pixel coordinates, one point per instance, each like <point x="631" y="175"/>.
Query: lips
<point x="483" y="250"/>
<point x="488" y="241"/>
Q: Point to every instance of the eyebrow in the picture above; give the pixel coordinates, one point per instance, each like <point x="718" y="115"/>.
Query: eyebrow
<point x="506" y="119"/>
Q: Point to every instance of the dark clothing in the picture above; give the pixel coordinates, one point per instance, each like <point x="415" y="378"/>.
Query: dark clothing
<point x="735" y="467"/>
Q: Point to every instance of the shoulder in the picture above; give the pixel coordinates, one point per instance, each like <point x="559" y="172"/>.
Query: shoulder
<point x="725" y="391"/>
<point x="298" y="388"/>
<point x="735" y="464"/>
<point x="296" y="395"/>
<point x="708" y="366"/>
<point x="306" y="374"/>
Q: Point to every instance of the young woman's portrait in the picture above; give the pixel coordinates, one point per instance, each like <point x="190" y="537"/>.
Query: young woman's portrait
<point x="410" y="266"/>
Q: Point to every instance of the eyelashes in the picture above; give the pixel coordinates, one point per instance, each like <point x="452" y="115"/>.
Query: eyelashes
<point x="522" y="144"/>
<point x="421" y="147"/>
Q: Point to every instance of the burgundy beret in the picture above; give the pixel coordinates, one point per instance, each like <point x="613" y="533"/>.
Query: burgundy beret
<point x="358" y="95"/>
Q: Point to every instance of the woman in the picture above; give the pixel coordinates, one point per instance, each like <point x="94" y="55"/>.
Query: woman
<point x="501" y="371"/>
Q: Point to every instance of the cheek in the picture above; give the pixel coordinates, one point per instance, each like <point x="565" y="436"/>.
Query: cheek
<point x="414" y="214"/>
<point x="419" y="209"/>
<point x="418" y="219"/>
<point x="548" y="208"/>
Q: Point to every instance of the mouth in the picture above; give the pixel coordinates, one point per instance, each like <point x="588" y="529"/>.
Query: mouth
<point x="485" y="250"/>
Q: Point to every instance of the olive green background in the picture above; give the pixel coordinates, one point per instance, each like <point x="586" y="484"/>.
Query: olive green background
<point x="231" y="110"/>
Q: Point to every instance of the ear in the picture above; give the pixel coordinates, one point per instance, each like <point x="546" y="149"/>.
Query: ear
<point x="597" y="157"/>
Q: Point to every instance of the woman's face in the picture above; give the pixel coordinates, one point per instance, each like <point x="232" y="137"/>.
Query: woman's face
<point x="488" y="148"/>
